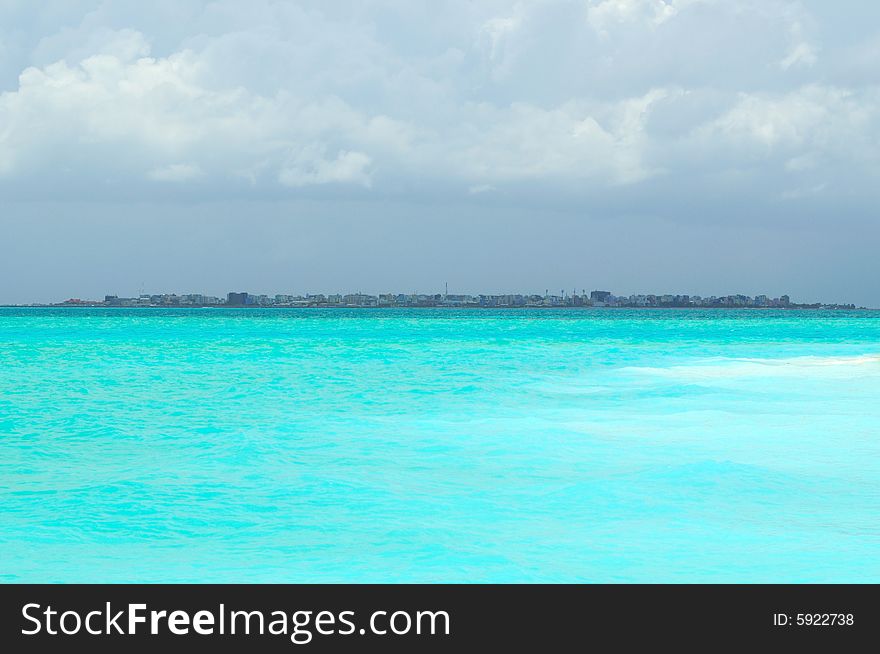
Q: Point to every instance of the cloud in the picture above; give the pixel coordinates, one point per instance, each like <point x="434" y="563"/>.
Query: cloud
<point x="602" y="142"/>
<point x="605" y="15"/>
<point x="802" y="125"/>
<point x="799" y="193"/>
<point x="587" y="96"/>
<point x="801" y="163"/>
<point x="154" y="112"/>
<point x="347" y="167"/>
<point x="802" y="54"/>
<point x="481" y="188"/>
<point x="180" y="172"/>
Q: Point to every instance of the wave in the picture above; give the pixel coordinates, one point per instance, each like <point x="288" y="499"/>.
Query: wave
<point x="721" y="367"/>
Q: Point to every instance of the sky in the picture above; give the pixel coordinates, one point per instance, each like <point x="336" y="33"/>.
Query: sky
<point x="640" y="146"/>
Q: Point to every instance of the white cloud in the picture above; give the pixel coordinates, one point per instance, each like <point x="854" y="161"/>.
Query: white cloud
<point x="574" y="141"/>
<point x="157" y="111"/>
<point x="803" y="192"/>
<point x="801" y="163"/>
<point x="347" y="167"/>
<point x="180" y="172"/>
<point x="810" y="115"/>
<point x="497" y="30"/>
<point x="477" y="189"/>
<point x="801" y="54"/>
<point x="477" y="94"/>
<point x="607" y="15"/>
<point x="500" y="34"/>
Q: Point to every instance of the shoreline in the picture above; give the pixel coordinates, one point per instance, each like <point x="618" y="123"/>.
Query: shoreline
<point x="442" y="307"/>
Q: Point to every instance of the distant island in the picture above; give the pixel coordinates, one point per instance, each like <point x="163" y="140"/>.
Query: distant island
<point x="448" y="300"/>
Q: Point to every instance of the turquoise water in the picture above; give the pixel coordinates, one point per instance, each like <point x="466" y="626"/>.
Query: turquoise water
<point x="439" y="445"/>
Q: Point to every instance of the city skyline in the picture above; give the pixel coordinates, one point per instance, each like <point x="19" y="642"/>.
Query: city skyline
<point x="595" y="298"/>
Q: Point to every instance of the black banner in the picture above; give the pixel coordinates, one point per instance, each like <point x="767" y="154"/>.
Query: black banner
<point x="433" y="618"/>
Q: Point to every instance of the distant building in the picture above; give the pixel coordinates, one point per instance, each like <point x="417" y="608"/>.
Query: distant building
<point x="596" y="298"/>
<point x="114" y="301"/>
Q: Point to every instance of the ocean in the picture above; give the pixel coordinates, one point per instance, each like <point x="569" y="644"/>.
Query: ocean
<point x="439" y="445"/>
